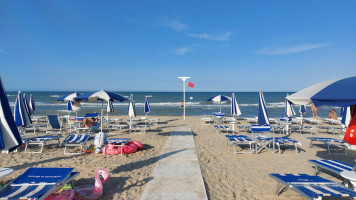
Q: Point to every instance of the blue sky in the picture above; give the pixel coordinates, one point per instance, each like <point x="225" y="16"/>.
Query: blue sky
<point x="145" y="45"/>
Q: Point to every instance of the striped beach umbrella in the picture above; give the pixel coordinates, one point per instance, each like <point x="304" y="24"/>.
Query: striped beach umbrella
<point x="110" y="107"/>
<point x="10" y="137"/>
<point x="27" y="105"/>
<point x="302" y="110"/>
<point x="147" y="108"/>
<point x="235" y="110"/>
<point x="289" y="109"/>
<point x="219" y="99"/>
<point x="32" y="104"/>
<point x="102" y="96"/>
<point x="347" y="112"/>
<point x="132" y="110"/>
<point x="20" y="114"/>
<point x="68" y="97"/>
<point x="338" y="93"/>
<point x="262" y="110"/>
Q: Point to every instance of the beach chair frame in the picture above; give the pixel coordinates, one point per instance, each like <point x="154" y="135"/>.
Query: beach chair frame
<point x="329" y="142"/>
<point x="240" y="140"/>
<point x="56" y="126"/>
<point x="41" y="141"/>
<point x="334" y="166"/>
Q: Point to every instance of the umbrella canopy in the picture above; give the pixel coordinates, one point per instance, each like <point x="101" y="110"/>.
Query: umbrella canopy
<point x="10" y="137"/>
<point x="32" y="104"/>
<point x="20" y="114"/>
<point x="102" y="96"/>
<point x="219" y="99"/>
<point x="110" y="107"/>
<point x="27" y="105"/>
<point x="235" y="110"/>
<point x="262" y="110"/>
<point x="68" y="97"/>
<point x="289" y="109"/>
<point x="147" y="107"/>
<point x="132" y="110"/>
<point x="331" y="93"/>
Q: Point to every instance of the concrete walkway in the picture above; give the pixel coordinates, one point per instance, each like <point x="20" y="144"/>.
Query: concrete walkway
<point x="177" y="174"/>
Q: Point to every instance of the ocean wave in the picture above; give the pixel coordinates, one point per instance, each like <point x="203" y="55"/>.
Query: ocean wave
<point x="11" y="95"/>
<point x="54" y="96"/>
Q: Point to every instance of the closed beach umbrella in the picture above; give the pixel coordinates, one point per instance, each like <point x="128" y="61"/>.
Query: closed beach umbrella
<point x="302" y="110"/>
<point x="32" y="104"/>
<point x="69" y="105"/>
<point x="10" y="137"/>
<point x="347" y="113"/>
<point x="219" y="99"/>
<point x="27" y="105"/>
<point x="329" y="93"/>
<point x="132" y="110"/>
<point x="110" y="107"/>
<point x="20" y="114"/>
<point x="102" y="96"/>
<point x="235" y="110"/>
<point x="262" y="110"/>
<point x="147" y="107"/>
<point x="289" y="109"/>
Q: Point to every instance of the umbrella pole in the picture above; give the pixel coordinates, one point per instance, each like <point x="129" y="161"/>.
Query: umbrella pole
<point x="220" y="105"/>
<point x="101" y="120"/>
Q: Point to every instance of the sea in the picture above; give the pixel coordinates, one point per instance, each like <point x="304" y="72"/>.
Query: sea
<point x="169" y="103"/>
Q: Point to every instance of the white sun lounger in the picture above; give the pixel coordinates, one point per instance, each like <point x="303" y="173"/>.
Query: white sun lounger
<point x="334" y="166"/>
<point x="330" y="142"/>
<point x="240" y="140"/>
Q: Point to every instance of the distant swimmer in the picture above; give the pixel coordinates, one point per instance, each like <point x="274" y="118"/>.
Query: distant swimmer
<point x="182" y="104"/>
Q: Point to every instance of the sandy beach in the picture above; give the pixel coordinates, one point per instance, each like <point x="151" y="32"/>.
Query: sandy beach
<point x="226" y="176"/>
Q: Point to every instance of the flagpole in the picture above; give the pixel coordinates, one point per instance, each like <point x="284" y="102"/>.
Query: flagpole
<point x="183" y="79"/>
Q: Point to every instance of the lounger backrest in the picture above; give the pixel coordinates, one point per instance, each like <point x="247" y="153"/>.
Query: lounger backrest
<point x="53" y="121"/>
<point x="88" y="115"/>
<point x="257" y="128"/>
<point x="76" y="138"/>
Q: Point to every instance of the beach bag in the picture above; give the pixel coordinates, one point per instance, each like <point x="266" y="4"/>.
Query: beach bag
<point x="99" y="139"/>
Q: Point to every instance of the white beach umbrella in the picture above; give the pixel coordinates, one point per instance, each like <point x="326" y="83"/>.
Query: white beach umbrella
<point x="289" y="109"/>
<point x="235" y="110"/>
<point x="132" y="110"/>
<point x="262" y="110"/>
<point x="219" y="99"/>
<point x="32" y="104"/>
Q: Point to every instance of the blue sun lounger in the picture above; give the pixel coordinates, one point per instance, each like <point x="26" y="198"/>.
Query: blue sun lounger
<point x="37" y="183"/>
<point x="41" y="140"/>
<point x="53" y="125"/>
<point x="329" y="142"/>
<point x="75" y="140"/>
<point x="334" y="166"/>
<point x="282" y="141"/>
<point x="221" y="128"/>
<point x="311" y="187"/>
<point x="240" y="140"/>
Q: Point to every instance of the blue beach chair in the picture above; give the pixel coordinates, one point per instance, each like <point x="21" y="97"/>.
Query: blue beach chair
<point x="53" y="125"/>
<point x="37" y="183"/>
<point x="334" y="166"/>
<point x="75" y="140"/>
<point x="41" y="140"/>
<point x="311" y="187"/>
<point x="330" y="142"/>
<point x="283" y="141"/>
<point x="240" y="140"/>
<point x="221" y="128"/>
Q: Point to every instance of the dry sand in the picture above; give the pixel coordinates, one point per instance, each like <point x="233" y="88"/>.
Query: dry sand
<point x="226" y="176"/>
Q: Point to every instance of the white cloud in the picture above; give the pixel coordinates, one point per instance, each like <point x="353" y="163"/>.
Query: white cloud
<point x="290" y="49"/>
<point x="176" y="25"/>
<point x="206" y="36"/>
<point x="182" y="51"/>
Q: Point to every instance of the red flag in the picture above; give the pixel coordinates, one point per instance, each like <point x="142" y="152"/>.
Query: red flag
<point x="190" y="84"/>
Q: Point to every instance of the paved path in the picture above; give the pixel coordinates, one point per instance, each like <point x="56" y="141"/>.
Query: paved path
<point x="177" y="174"/>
